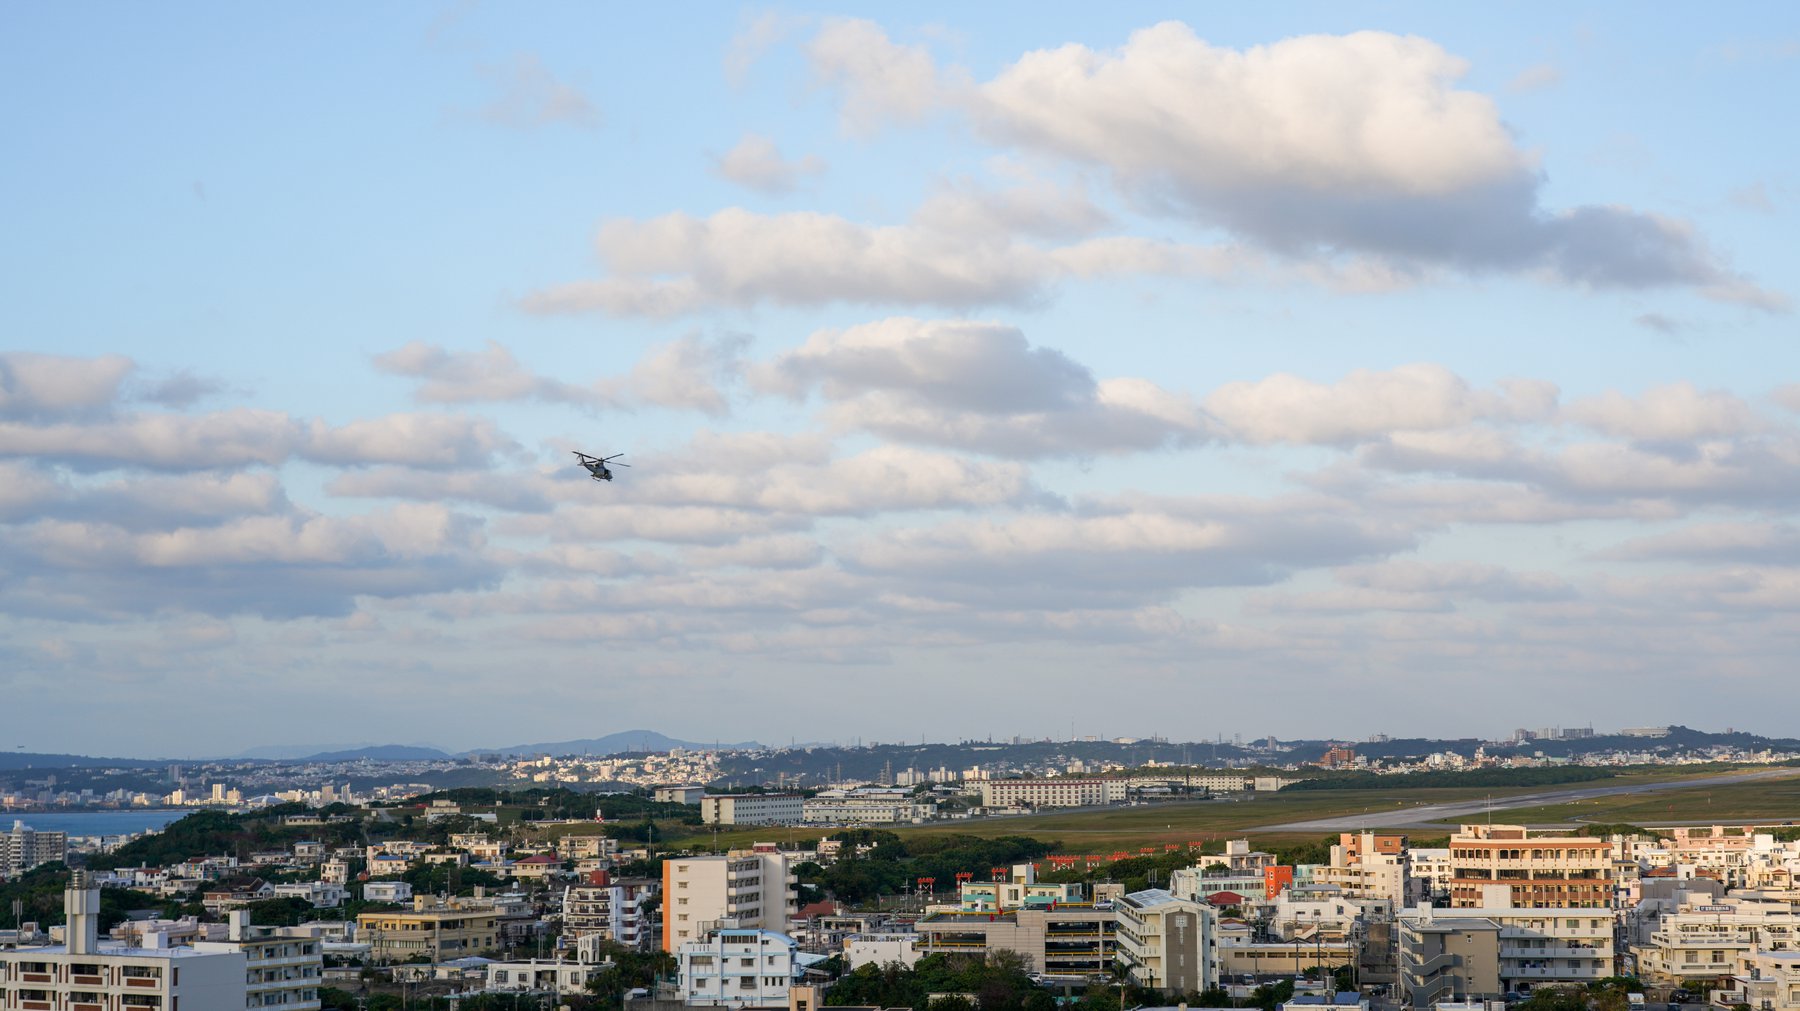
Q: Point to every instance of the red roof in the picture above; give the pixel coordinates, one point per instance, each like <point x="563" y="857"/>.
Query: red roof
<point x="1225" y="899"/>
<point x="541" y="858"/>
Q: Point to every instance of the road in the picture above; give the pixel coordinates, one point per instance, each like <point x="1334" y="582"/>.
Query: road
<point x="1430" y="815"/>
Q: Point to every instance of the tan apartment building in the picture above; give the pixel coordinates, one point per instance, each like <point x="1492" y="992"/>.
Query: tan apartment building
<point x="749" y="889"/>
<point x="1166" y="943"/>
<point x="437" y="932"/>
<point x="1073" y="939"/>
<point x="1505" y="865"/>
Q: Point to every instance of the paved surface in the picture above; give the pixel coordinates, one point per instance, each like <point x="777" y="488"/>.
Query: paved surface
<point x="1429" y="815"/>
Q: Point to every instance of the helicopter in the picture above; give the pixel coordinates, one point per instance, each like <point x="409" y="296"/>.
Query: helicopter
<point x="596" y="465"/>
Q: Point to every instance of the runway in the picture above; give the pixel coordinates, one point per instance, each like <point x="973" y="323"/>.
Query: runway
<point x="1434" y="815"/>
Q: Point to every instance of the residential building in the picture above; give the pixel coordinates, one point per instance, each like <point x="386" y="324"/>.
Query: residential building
<point x="437" y="931"/>
<point x="1240" y="957"/>
<point x="25" y="847"/>
<point x="1429" y="873"/>
<point x="1072" y="939"/>
<point x="80" y="975"/>
<point x="1021" y="890"/>
<point x="1765" y="980"/>
<point x="1533" y="946"/>
<point x="753" y="809"/>
<point x="1702" y="940"/>
<point x="282" y="968"/>
<point x="322" y="894"/>
<point x="1199" y="884"/>
<point x="1062" y="791"/>
<point x="1368" y="865"/>
<point x="1449" y="958"/>
<point x="739" y="968"/>
<point x="387" y="891"/>
<point x="679" y="794"/>
<point x="881" y="949"/>
<point x="613" y="910"/>
<point x="1166" y="943"/>
<point x="543" y="976"/>
<point x="1504" y="865"/>
<point x="746" y="889"/>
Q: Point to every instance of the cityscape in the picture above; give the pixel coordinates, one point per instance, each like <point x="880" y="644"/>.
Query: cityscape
<point x="933" y="507"/>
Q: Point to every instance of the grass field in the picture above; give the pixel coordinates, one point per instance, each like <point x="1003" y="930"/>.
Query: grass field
<point x="1773" y="801"/>
<point x="1129" y="828"/>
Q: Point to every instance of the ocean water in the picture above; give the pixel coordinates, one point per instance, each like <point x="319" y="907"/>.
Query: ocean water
<point x="92" y="822"/>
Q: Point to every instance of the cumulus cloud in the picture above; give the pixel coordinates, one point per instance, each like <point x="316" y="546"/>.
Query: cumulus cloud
<point x="1319" y="148"/>
<point x="530" y="96"/>
<point x="49" y="386"/>
<point x="978" y="386"/>
<point x="1371" y="404"/>
<point x="882" y="81"/>
<point x="1745" y="543"/>
<point x="277" y="566"/>
<point x="679" y="264"/>
<point x="1675" y="412"/>
<point x="688" y="373"/>
<point x="756" y="36"/>
<point x="1120" y="554"/>
<point x="757" y="163"/>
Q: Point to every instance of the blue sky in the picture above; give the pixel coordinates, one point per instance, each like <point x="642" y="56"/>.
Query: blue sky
<point x="1435" y="360"/>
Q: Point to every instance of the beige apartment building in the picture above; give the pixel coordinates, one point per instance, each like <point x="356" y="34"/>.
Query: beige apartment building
<point x="1505" y="865"/>
<point x="1166" y="943"/>
<point x="747" y="889"/>
<point x="438" y="932"/>
<point x="1073" y="939"/>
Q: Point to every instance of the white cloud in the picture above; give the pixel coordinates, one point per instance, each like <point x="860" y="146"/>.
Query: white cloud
<point x="757" y="163"/>
<point x="977" y="386"/>
<point x="1329" y="150"/>
<point x="688" y="373"/>
<point x="1369" y="404"/>
<point x="43" y="386"/>
<point x="1536" y="77"/>
<point x="881" y="80"/>
<point x="756" y="36"/>
<point x="531" y="96"/>
<point x="1675" y="412"/>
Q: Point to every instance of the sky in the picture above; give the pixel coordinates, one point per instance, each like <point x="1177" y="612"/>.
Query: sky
<point x="982" y="370"/>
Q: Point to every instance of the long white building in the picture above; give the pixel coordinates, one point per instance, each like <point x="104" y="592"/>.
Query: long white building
<point x="753" y="809"/>
<point x="80" y="975"/>
<point x="1060" y="791"/>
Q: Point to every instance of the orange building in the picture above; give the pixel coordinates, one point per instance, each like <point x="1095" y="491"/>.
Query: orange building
<point x="1276" y="879"/>
<point x="1538" y="872"/>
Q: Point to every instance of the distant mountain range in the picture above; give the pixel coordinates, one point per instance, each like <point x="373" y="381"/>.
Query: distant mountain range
<point x="612" y="744"/>
<point x="14" y="760"/>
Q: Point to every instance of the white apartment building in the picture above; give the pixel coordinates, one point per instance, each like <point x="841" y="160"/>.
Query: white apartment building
<point x="25" y="847"/>
<point x="881" y="949"/>
<point x="1062" y="791"/>
<point x="1534" y="945"/>
<point x="857" y="808"/>
<point x="1429" y="872"/>
<point x="80" y="975"/>
<point x="397" y="892"/>
<point x="753" y="809"/>
<point x="745" y="889"/>
<point x="542" y="976"/>
<point x="1703" y="940"/>
<point x="1166" y="943"/>
<point x="739" y="968"/>
<point x="1320" y="912"/>
<point x="322" y="894"/>
<point x="1765" y="980"/>
<point x="282" y="968"/>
